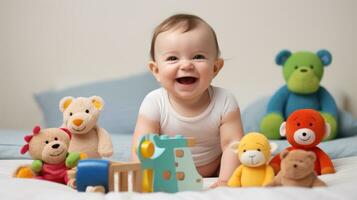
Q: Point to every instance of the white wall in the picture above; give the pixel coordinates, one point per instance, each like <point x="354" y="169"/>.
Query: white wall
<point x="52" y="44"/>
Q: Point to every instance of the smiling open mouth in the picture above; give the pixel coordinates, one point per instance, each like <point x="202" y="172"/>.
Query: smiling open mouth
<point x="187" y="80"/>
<point x="54" y="155"/>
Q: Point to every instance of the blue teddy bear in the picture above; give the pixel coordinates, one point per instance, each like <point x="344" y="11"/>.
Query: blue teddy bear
<point x="303" y="72"/>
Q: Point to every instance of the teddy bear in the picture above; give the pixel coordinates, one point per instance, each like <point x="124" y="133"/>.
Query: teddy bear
<point x="254" y="151"/>
<point x="297" y="169"/>
<point x="302" y="72"/>
<point x="49" y="151"/>
<point x="305" y="129"/>
<point x="80" y="116"/>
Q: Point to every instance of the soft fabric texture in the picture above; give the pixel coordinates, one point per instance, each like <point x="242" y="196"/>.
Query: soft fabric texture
<point x="12" y="141"/>
<point x="80" y="117"/>
<point x="204" y="127"/>
<point x="297" y="169"/>
<point x="254" y="153"/>
<point x="302" y="72"/>
<point x="123" y="97"/>
<point x="254" y="113"/>
<point x="341" y="185"/>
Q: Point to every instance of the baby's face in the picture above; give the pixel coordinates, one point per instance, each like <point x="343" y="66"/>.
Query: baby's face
<point x="186" y="63"/>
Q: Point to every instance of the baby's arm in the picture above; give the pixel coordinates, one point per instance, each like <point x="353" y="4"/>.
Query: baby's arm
<point x="231" y="130"/>
<point x="144" y="125"/>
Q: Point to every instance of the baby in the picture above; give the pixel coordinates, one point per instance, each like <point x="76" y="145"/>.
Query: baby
<point x="185" y="59"/>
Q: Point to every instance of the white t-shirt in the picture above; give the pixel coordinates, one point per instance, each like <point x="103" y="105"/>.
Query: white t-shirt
<point x="203" y="127"/>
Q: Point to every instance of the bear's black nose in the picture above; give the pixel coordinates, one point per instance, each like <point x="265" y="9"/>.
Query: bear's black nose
<point x="55" y="146"/>
<point x="295" y="166"/>
<point x="303" y="70"/>
<point x="304" y="134"/>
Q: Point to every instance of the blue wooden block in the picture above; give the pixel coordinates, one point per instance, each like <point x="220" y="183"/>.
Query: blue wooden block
<point x="92" y="172"/>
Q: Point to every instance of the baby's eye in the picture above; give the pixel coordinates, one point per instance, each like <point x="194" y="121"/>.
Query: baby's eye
<point x="199" y="57"/>
<point x="171" y="58"/>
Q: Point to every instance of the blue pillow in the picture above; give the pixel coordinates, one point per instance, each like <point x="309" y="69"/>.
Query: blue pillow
<point x="254" y="113"/>
<point x="122" y="99"/>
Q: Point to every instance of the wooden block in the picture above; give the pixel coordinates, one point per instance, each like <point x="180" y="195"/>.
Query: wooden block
<point x="123" y="181"/>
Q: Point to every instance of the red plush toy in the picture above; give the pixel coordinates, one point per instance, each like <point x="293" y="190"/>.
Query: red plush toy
<point x="304" y="129"/>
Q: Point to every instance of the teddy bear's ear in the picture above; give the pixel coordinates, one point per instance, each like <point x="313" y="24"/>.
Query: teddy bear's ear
<point x="273" y="147"/>
<point x="284" y="153"/>
<point x="327" y="130"/>
<point x="325" y="57"/>
<point x="282" y="129"/>
<point x="97" y="101"/>
<point x="234" y="146"/>
<point x="64" y="103"/>
<point x="282" y="56"/>
<point x="311" y="155"/>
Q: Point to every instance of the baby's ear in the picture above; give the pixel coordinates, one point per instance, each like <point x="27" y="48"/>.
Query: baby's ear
<point x="64" y="103"/>
<point x="154" y="70"/>
<point x="234" y="146"/>
<point x="218" y="65"/>
<point x="97" y="101"/>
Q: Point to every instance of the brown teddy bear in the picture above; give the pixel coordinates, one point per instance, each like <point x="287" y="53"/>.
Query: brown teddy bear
<point x="80" y="116"/>
<point x="49" y="149"/>
<point x="297" y="169"/>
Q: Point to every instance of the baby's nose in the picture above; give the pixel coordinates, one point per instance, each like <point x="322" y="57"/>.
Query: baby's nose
<point x="186" y="65"/>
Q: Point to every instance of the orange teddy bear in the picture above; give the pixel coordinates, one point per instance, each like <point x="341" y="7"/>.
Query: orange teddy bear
<point x="305" y="129"/>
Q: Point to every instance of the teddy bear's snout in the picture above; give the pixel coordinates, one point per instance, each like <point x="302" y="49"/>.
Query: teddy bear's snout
<point x="78" y="122"/>
<point x="55" y="146"/>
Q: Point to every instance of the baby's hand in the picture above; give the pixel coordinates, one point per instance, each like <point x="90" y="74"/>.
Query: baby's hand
<point x="218" y="183"/>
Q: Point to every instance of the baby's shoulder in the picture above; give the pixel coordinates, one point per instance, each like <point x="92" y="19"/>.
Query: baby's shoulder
<point x="221" y="94"/>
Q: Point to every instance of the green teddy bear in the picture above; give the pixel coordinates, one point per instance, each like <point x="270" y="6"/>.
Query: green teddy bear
<point x="302" y="72"/>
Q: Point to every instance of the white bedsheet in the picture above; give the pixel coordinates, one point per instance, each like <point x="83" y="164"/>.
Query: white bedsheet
<point x="342" y="185"/>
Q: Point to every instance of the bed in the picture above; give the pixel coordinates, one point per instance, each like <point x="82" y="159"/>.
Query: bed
<point x="119" y="117"/>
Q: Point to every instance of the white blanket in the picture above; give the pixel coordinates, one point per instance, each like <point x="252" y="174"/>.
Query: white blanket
<point x="341" y="185"/>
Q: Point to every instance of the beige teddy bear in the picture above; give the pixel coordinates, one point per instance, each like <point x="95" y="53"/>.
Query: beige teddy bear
<point x="297" y="169"/>
<point x="80" y="116"/>
<point x="49" y="151"/>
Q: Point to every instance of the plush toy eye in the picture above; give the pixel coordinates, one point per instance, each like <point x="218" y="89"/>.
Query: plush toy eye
<point x="311" y="66"/>
<point x="56" y="138"/>
<point x="87" y="111"/>
<point x="244" y="150"/>
<point x="310" y="124"/>
<point x="46" y="142"/>
<point x="258" y="149"/>
<point x="296" y="67"/>
<point x="298" y="124"/>
<point x="70" y="114"/>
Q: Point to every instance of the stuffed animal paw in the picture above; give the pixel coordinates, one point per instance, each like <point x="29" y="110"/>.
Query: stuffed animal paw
<point x="331" y="120"/>
<point x="327" y="170"/>
<point x="270" y="125"/>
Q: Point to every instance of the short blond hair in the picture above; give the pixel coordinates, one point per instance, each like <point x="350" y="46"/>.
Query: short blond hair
<point x="190" y="22"/>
